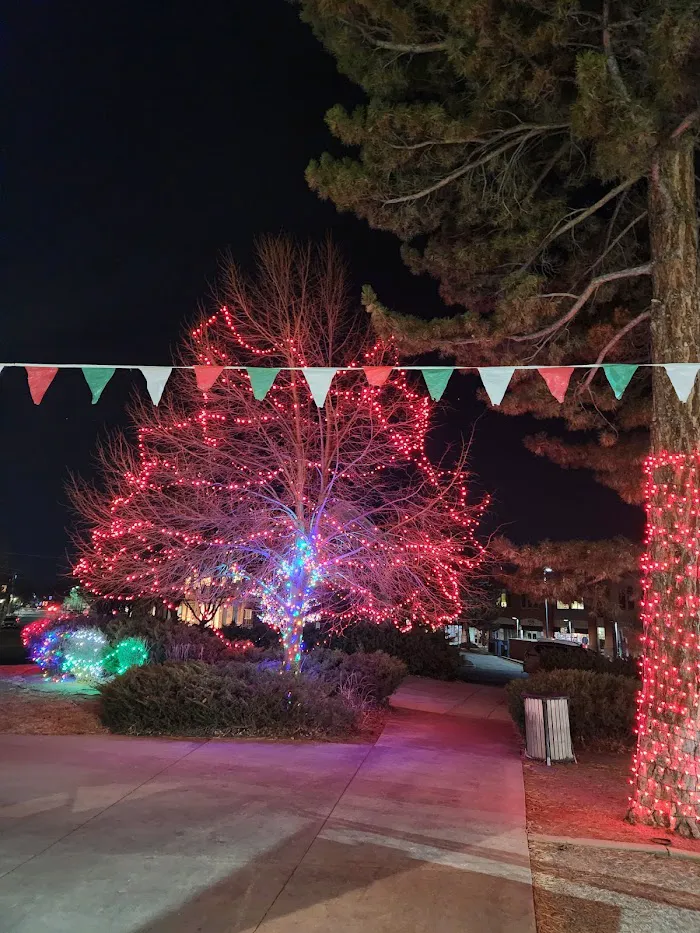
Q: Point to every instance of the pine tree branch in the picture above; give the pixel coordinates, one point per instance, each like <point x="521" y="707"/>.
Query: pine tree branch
<point x="592" y="286"/>
<point x="411" y="48"/>
<point x="686" y="124"/>
<point x="617" y="239"/>
<point x="579" y="217"/>
<point x="477" y="163"/>
<point x="405" y="48"/>
<point x="613" y="66"/>
<point x="644" y="316"/>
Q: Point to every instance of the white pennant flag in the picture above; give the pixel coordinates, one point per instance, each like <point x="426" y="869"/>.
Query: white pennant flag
<point x="682" y="376"/>
<point x="319" y="379"/>
<point x="156" y="377"/>
<point x="496" y="380"/>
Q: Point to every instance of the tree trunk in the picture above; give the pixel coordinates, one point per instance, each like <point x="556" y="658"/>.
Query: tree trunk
<point x="666" y="784"/>
<point x="292" y="633"/>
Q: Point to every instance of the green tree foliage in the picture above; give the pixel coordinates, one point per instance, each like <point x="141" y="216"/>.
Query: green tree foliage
<point x="508" y="144"/>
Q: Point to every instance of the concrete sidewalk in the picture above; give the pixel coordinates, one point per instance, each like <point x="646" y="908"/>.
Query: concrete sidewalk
<point x="422" y="832"/>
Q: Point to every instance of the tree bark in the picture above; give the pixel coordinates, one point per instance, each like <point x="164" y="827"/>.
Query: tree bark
<point x="666" y="783"/>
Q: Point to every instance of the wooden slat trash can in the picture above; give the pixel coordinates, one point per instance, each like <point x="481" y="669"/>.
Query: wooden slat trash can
<point x="547" y="729"/>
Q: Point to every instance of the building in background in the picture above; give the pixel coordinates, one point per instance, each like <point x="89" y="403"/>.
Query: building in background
<point x="611" y="627"/>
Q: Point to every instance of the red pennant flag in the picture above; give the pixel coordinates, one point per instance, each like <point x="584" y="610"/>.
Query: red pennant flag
<point x="39" y="379"/>
<point x="207" y="376"/>
<point x="377" y="375"/>
<point x="557" y="379"/>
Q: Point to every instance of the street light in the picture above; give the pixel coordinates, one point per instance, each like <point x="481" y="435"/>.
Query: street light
<point x="546" y="603"/>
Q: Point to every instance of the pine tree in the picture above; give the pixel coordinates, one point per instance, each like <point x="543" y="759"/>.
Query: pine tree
<point x="538" y="159"/>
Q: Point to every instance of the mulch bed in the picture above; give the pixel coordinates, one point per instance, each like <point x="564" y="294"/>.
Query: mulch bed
<point x="587" y="800"/>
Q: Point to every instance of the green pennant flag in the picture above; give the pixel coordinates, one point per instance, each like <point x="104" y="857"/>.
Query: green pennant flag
<point x="436" y="379"/>
<point x="97" y="378"/>
<point x="619" y="375"/>
<point x="261" y="379"/>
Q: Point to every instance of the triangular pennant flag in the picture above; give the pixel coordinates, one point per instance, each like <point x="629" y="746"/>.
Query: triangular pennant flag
<point x="557" y="379"/>
<point x="207" y="376"/>
<point x="156" y="377"/>
<point x="39" y="379"/>
<point x="496" y="380"/>
<point x="436" y="379"/>
<point x="97" y="378"/>
<point x="377" y="375"/>
<point x="619" y="375"/>
<point x="319" y="380"/>
<point x="261" y="379"/>
<point x="682" y="376"/>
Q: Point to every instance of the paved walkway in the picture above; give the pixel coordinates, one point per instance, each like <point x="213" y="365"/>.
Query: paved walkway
<point x="420" y="833"/>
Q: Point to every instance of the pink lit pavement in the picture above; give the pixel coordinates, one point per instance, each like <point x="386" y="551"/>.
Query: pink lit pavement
<point x="422" y="832"/>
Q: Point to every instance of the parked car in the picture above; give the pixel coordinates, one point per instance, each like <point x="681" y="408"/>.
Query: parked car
<point x="11" y="622"/>
<point x="533" y="652"/>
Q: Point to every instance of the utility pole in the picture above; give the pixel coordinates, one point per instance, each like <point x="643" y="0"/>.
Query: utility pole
<point x="547" y="633"/>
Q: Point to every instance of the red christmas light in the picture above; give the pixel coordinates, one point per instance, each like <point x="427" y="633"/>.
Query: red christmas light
<point x="337" y="511"/>
<point x="666" y="767"/>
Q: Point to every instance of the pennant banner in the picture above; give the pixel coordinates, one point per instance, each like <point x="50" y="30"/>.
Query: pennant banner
<point x="377" y="375"/>
<point x="97" y="378"/>
<point x="557" y="379"/>
<point x="319" y="380"/>
<point x="261" y="380"/>
<point x="39" y="379"/>
<point x="206" y="376"/>
<point x="496" y="380"/>
<point x="619" y="375"/>
<point x="156" y="377"/>
<point x="682" y="376"/>
<point x="436" y="379"/>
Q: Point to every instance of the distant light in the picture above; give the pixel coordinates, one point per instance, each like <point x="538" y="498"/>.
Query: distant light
<point x="548" y="570"/>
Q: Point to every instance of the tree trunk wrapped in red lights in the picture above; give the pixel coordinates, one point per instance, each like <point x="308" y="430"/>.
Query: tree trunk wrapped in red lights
<point x="666" y="782"/>
<point x="332" y="512"/>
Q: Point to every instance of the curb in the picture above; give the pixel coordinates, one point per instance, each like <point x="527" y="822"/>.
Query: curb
<point x="656" y="849"/>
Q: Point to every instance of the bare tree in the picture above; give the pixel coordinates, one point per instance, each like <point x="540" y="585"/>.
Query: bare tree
<point x="336" y="511"/>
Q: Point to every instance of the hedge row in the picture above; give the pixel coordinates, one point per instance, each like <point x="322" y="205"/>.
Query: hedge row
<point x="425" y="652"/>
<point x="239" y="698"/>
<point x="602" y="707"/>
<point x="564" y="659"/>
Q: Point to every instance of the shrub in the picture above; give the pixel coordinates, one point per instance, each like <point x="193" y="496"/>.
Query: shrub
<point x="194" y="698"/>
<point x="167" y="639"/>
<point x="601" y="706"/>
<point x="425" y="652"/>
<point x="372" y="678"/>
<point x="260" y="634"/>
<point x="563" y="659"/>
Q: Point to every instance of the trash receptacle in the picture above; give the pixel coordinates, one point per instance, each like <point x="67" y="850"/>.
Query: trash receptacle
<point x="547" y="729"/>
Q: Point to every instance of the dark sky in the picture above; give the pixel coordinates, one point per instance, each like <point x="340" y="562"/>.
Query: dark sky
<point x="140" y="141"/>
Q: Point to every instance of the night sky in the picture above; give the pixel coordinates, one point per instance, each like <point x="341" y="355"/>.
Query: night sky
<point x="141" y="140"/>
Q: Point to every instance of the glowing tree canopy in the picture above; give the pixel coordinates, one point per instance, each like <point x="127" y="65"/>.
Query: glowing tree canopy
<point x="333" y="512"/>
